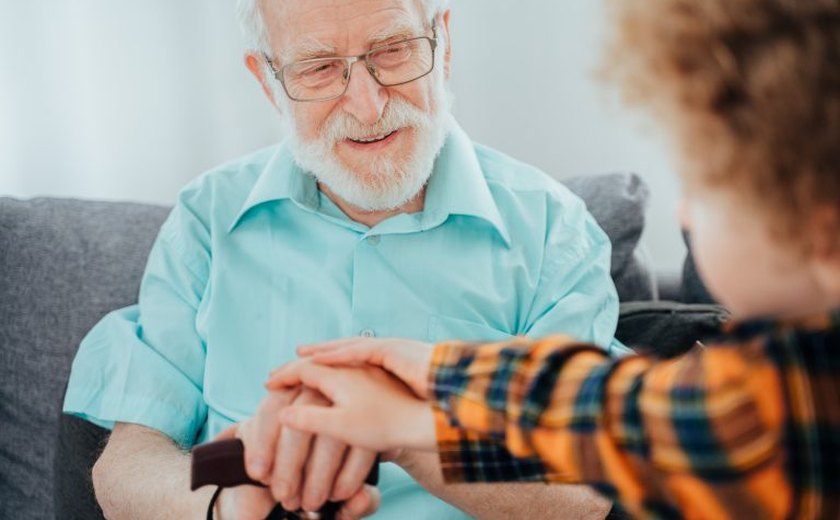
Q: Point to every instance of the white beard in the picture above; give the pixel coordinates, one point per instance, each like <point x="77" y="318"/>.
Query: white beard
<point x="389" y="182"/>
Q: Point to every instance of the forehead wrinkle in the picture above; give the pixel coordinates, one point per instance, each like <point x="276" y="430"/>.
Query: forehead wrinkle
<point x="403" y="20"/>
<point x="309" y="47"/>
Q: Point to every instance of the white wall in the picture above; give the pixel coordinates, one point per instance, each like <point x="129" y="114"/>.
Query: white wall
<point x="130" y="100"/>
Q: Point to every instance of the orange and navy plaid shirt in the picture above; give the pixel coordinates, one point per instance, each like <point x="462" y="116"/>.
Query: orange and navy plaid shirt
<point x="746" y="428"/>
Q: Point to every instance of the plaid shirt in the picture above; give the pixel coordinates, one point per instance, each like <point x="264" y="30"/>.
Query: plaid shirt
<point x="747" y="428"/>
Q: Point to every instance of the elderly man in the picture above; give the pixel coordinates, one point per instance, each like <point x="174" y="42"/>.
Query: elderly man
<point x="377" y="216"/>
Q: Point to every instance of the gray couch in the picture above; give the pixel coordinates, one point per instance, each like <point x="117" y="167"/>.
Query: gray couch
<point x="66" y="263"/>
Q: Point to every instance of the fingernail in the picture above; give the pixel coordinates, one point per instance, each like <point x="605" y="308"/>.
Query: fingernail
<point x="313" y="502"/>
<point x="282" y="491"/>
<point x="292" y="504"/>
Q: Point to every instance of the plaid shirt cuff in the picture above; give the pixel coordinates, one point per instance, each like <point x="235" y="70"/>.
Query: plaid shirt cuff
<point x="466" y="457"/>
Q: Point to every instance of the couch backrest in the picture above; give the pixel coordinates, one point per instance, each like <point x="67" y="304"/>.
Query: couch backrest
<point x="63" y="265"/>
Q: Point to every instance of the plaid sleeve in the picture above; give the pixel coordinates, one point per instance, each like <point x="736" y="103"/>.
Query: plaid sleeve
<point x="701" y="433"/>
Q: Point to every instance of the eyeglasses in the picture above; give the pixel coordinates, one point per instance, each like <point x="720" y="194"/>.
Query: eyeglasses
<point x="323" y="79"/>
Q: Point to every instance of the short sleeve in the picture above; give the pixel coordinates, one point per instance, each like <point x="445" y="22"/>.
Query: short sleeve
<point x="576" y="295"/>
<point x="145" y="364"/>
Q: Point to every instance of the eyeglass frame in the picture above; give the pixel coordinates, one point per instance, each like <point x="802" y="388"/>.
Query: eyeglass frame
<point x="352" y="60"/>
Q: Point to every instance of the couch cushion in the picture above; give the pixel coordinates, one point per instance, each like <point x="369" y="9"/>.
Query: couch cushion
<point x="667" y="329"/>
<point x="618" y="202"/>
<point x="63" y="265"/>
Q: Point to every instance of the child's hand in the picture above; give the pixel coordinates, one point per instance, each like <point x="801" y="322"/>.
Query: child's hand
<point x="370" y="410"/>
<point x="406" y="359"/>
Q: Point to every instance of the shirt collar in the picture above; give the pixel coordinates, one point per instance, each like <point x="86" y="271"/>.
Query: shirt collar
<point x="280" y="179"/>
<point x="457" y="185"/>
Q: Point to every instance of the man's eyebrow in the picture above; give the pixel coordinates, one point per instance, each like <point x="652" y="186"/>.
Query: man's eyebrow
<point x="402" y="31"/>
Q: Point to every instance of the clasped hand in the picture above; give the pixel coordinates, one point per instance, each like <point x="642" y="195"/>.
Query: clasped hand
<point x="316" y="435"/>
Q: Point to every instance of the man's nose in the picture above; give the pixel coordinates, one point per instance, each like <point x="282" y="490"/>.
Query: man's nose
<point x="365" y="99"/>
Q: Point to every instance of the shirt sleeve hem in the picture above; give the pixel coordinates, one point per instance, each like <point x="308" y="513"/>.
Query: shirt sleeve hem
<point x="172" y="421"/>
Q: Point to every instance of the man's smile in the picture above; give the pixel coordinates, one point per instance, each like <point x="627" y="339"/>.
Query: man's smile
<point x="373" y="142"/>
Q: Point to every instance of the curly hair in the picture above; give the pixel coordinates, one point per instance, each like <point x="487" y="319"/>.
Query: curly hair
<point x="750" y="90"/>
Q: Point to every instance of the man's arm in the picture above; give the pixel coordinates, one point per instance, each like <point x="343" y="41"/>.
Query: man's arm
<point x="144" y="474"/>
<point x="503" y="501"/>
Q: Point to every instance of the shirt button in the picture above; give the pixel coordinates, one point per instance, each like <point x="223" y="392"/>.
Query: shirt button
<point x="367" y="333"/>
<point x="373" y="240"/>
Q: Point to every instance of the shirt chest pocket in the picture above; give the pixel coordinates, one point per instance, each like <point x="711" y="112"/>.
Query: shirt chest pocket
<point x="444" y="328"/>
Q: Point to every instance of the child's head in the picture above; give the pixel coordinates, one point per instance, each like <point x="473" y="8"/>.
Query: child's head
<point x="750" y="92"/>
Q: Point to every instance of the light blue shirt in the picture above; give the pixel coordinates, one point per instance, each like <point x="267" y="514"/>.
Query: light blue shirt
<point x="254" y="261"/>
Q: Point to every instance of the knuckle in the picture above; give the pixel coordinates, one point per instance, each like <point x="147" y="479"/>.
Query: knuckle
<point x="314" y="499"/>
<point x="291" y="503"/>
<point x="346" y="485"/>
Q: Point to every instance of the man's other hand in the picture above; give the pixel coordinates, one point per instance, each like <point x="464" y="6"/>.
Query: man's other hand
<point x="302" y="470"/>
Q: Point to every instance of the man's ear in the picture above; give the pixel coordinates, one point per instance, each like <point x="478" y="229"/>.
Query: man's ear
<point x="447" y="56"/>
<point x="256" y="64"/>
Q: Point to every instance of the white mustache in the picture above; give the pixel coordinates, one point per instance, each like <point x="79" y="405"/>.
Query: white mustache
<point x="397" y="114"/>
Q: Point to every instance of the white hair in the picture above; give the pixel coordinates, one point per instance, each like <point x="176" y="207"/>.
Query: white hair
<point x="256" y="34"/>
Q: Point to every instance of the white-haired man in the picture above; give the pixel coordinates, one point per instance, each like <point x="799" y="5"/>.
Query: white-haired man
<point x="377" y="216"/>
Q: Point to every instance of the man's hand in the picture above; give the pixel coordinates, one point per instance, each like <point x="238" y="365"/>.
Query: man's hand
<point x="406" y="359"/>
<point x="244" y="502"/>
<point x="303" y="471"/>
<point x="370" y="409"/>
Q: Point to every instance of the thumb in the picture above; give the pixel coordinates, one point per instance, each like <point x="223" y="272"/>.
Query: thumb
<point x="228" y="433"/>
<point x="364" y="503"/>
<point x="317" y="377"/>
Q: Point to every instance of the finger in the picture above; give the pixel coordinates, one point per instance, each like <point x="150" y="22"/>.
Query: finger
<point x="317" y="377"/>
<point x="319" y="420"/>
<point x="292" y="452"/>
<point x="354" y="471"/>
<point x="364" y="503"/>
<point x="288" y="375"/>
<point x="350" y="355"/>
<point x="261" y="434"/>
<point x="325" y="460"/>
<point x="308" y="350"/>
